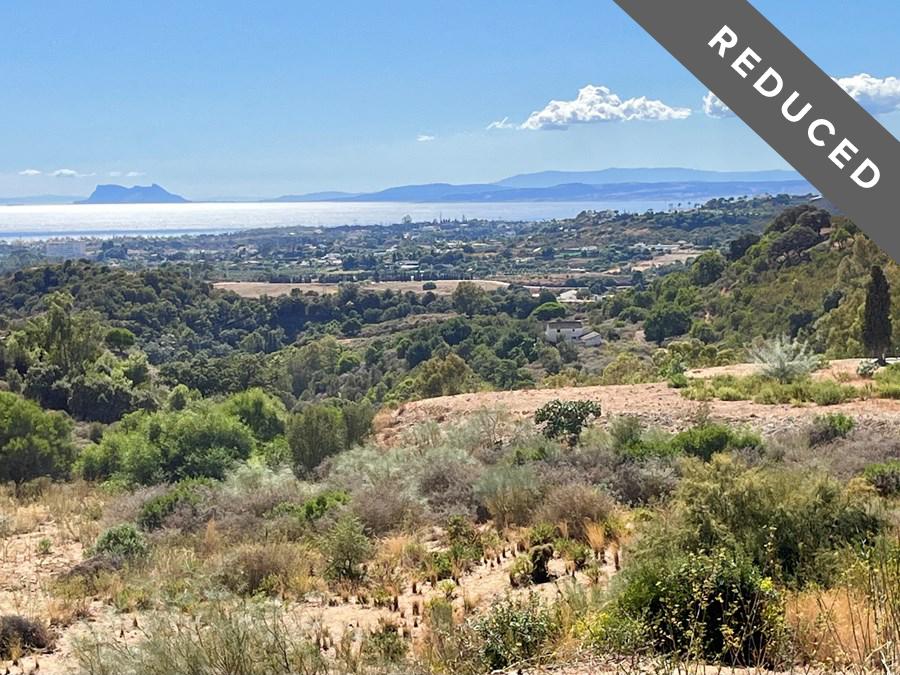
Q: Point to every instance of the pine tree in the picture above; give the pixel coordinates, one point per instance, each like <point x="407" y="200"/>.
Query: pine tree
<point x="877" y="329"/>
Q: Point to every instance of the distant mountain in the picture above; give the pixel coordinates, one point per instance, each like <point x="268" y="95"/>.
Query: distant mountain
<point x="622" y="184"/>
<point x="38" y="200"/>
<point x="430" y="192"/>
<point x="674" y="191"/>
<point x="660" y="175"/>
<point x="139" y="194"/>
<point x="313" y="197"/>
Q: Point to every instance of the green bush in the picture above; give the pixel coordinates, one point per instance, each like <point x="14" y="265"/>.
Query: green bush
<point x="884" y="477"/>
<point x="678" y="381"/>
<point x="259" y="412"/>
<point x="706" y="440"/>
<point x="154" y="512"/>
<point x="313" y="508"/>
<point x="566" y="419"/>
<point x="33" y="443"/>
<point x="830" y="426"/>
<point x="792" y="525"/>
<point x="346" y="547"/>
<point x="120" y="541"/>
<point x="703" y="606"/>
<point x="829" y="392"/>
<point x="511" y="632"/>
<point x="314" y="435"/>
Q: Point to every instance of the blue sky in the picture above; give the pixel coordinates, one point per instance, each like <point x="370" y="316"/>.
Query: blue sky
<point x="238" y="99"/>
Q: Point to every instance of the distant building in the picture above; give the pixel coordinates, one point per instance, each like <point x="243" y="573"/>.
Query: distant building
<point x="65" y="248"/>
<point x="557" y="331"/>
<point x="561" y="330"/>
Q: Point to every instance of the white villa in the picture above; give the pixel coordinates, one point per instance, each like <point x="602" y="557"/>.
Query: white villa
<point x="559" y="330"/>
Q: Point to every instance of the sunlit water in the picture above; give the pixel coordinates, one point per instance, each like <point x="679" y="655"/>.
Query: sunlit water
<point x="110" y="220"/>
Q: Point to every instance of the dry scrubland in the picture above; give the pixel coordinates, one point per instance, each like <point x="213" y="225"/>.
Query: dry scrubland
<point x="256" y="289"/>
<point x="517" y="570"/>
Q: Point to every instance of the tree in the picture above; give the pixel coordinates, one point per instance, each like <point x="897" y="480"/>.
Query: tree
<point x="33" y="443"/>
<point x="119" y="339"/>
<point x="666" y="321"/>
<point x="707" y="268"/>
<point x="794" y="242"/>
<point x="468" y="298"/>
<point x="877" y="328"/>
<point x="314" y="435"/>
<point x="259" y="412"/>
<point x="738" y="247"/>
<point x="566" y="418"/>
<point x="549" y="310"/>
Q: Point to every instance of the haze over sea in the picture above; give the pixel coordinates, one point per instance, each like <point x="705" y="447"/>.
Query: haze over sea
<point x="111" y="220"/>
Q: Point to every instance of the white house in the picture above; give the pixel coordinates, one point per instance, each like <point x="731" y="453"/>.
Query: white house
<point x="556" y="331"/>
<point x="559" y="330"/>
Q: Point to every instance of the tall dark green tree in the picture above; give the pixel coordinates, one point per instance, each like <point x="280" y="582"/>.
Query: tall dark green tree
<point x="877" y="329"/>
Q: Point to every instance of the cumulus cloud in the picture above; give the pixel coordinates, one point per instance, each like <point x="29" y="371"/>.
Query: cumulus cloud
<point x="30" y="172"/>
<point x="424" y="138"/>
<point x="713" y="106"/>
<point x="502" y="124"/>
<point x="875" y="94"/>
<point x="599" y="104"/>
<point x="115" y="174"/>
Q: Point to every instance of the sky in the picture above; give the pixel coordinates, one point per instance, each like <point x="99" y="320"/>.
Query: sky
<point x="232" y="99"/>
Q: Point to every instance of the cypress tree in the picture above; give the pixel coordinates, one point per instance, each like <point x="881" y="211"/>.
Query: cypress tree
<point x="877" y="329"/>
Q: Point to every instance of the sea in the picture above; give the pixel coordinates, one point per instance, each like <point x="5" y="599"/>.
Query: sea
<point x="26" y="222"/>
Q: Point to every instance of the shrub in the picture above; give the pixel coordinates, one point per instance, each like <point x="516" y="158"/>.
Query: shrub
<point x="712" y="607"/>
<point x="120" y="541"/>
<point x="790" y="524"/>
<point x="18" y="634"/>
<point x="678" y="381"/>
<point x="566" y="419"/>
<point x="259" y="412"/>
<point x="346" y="547"/>
<point x="572" y="507"/>
<point x="783" y="359"/>
<point x="217" y="637"/>
<point x="154" y="511"/>
<point x="510" y="494"/>
<point x="33" y="443"/>
<point x="828" y="427"/>
<point x="313" y="508"/>
<point x="829" y="392"/>
<point x="867" y="368"/>
<point x="520" y="571"/>
<point x="706" y="440"/>
<point x="384" y="647"/>
<point x="511" y="632"/>
<point x="268" y="568"/>
<point x="884" y="477"/>
<point x="314" y="435"/>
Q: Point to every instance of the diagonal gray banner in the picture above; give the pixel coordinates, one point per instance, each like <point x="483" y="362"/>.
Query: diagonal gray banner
<point x="785" y="98"/>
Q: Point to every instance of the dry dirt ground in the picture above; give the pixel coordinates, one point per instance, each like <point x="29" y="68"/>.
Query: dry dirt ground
<point x="656" y="404"/>
<point x="255" y="289"/>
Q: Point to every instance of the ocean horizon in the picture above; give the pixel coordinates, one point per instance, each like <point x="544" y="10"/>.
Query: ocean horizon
<point x="38" y="222"/>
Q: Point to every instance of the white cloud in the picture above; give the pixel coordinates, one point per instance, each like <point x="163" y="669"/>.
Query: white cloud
<point x="502" y="124"/>
<point x="70" y="173"/>
<point x="599" y="104"/>
<point x="713" y="107"/>
<point x="424" y="138"/>
<point x="135" y="174"/>
<point x="30" y="172"/>
<point x="115" y="174"/>
<point x="877" y="95"/>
